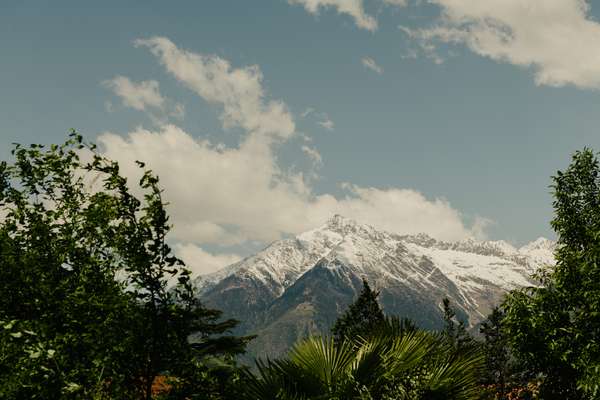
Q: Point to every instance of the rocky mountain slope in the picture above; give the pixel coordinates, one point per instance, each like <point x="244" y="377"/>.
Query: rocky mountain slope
<point x="300" y="285"/>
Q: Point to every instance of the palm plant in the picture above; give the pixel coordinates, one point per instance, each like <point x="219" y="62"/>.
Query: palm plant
<point x="395" y="363"/>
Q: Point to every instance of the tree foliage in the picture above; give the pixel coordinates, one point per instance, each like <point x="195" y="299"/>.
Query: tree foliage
<point x="370" y="357"/>
<point x="86" y="306"/>
<point x="498" y="365"/>
<point x="413" y="365"/>
<point x="455" y="330"/>
<point x="554" y="328"/>
<point x="361" y="316"/>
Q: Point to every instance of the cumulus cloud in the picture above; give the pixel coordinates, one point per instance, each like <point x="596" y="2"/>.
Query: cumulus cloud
<point x="228" y="195"/>
<point x="178" y="111"/>
<point x="238" y="90"/>
<point x="213" y="188"/>
<point x="144" y="96"/>
<point x="405" y="211"/>
<point x="353" y="8"/>
<point x="201" y="262"/>
<point x="242" y="193"/>
<point x="557" y="39"/>
<point x="369" y="63"/>
<point x="136" y="95"/>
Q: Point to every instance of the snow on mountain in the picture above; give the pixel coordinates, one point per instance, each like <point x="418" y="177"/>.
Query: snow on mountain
<point x="282" y="262"/>
<point x="540" y="251"/>
<point x="412" y="272"/>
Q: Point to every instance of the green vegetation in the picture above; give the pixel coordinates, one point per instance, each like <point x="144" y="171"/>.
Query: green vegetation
<point x="85" y="307"/>
<point x="455" y="330"/>
<point x="361" y="317"/>
<point x="370" y="356"/>
<point x="409" y="364"/>
<point x="94" y="305"/>
<point x="554" y="329"/>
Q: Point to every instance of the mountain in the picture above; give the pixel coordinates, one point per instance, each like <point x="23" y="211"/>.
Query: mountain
<point x="300" y="285"/>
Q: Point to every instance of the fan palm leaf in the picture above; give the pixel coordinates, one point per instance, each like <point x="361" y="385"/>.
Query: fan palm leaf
<point x="413" y="365"/>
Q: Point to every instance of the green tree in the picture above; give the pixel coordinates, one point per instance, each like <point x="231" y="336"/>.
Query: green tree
<point x="496" y="351"/>
<point x="554" y="328"/>
<point x="455" y="330"/>
<point x="361" y="316"/>
<point x="86" y="310"/>
<point x="413" y="365"/>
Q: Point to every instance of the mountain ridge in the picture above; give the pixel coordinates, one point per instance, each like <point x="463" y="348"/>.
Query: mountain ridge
<point x="274" y="292"/>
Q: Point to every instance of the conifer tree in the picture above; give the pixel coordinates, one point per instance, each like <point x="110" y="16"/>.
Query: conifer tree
<point x="455" y="330"/>
<point x="361" y="317"/>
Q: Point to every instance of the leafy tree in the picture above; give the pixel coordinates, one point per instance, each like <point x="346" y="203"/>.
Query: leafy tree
<point x="496" y="351"/>
<point x="361" y="317"/>
<point x="86" y="310"/>
<point x="554" y="328"/>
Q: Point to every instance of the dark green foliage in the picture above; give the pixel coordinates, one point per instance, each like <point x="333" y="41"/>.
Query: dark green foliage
<point x="455" y="330"/>
<point x="85" y="307"/>
<point x="555" y="328"/>
<point x="393" y="326"/>
<point x="497" y="354"/>
<point x="361" y="317"/>
<point x="414" y="365"/>
<point x="371" y="357"/>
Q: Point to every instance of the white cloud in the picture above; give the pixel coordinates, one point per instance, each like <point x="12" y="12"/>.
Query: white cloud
<point x="136" y="95"/>
<point x="201" y="262"/>
<point x="323" y="119"/>
<point x="240" y="193"/>
<point x="404" y="211"/>
<point x="353" y="8"/>
<point x="307" y="112"/>
<point x="369" y="63"/>
<point x="557" y="39"/>
<point x="238" y="90"/>
<point x="178" y="111"/>
<point x="213" y="188"/>
<point x="327" y="123"/>
<point x="229" y="195"/>
<point x="144" y="96"/>
<point x="313" y="154"/>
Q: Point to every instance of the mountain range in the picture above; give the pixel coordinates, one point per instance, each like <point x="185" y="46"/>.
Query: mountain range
<point x="299" y="286"/>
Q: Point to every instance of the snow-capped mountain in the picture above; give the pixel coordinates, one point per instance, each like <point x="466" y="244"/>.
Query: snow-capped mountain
<point x="300" y="285"/>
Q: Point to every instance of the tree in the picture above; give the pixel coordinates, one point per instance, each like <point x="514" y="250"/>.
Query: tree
<point x="414" y="365"/>
<point x="86" y="309"/>
<point x="496" y="351"/>
<point x="554" y="328"/>
<point x="361" y="317"/>
<point x="455" y="330"/>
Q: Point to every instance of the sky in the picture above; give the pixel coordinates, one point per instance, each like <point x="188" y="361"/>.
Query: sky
<point x="265" y="118"/>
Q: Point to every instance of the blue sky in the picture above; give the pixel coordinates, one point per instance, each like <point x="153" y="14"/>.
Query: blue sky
<point x="263" y="118"/>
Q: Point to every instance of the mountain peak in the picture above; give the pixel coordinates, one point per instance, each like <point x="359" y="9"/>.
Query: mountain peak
<point x="339" y="221"/>
<point x="540" y="243"/>
<point x="301" y="284"/>
<point x="344" y="226"/>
